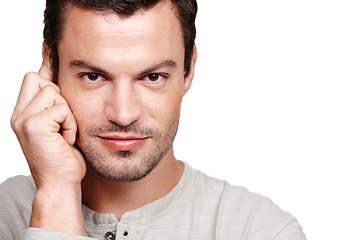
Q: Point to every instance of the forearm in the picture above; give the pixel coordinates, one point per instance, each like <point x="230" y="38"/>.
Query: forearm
<point x="58" y="209"/>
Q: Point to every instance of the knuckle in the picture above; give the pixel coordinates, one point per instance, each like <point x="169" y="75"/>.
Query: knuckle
<point x="25" y="123"/>
<point x="30" y="75"/>
<point x="48" y="88"/>
<point x="63" y="106"/>
<point x="51" y="89"/>
<point x="56" y="87"/>
<point x="13" y="123"/>
<point x="28" y="125"/>
<point x="17" y="125"/>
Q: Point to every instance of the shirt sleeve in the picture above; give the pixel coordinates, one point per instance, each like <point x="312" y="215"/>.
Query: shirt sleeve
<point x="40" y="234"/>
<point x="292" y="231"/>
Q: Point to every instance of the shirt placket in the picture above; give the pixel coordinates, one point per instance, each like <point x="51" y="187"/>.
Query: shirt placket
<point x="125" y="231"/>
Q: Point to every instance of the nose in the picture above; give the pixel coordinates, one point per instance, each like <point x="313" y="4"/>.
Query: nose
<point x="123" y="104"/>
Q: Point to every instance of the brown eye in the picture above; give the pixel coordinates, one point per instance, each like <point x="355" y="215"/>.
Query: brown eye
<point x="93" y="77"/>
<point x="153" y="77"/>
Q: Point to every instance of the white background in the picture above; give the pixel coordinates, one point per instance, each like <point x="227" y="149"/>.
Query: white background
<point x="274" y="105"/>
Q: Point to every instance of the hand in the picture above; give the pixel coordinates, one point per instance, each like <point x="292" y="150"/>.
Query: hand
<point x="46" y="129"/>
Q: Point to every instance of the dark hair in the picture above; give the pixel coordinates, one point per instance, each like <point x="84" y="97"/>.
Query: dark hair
<point x="54" y="17"/>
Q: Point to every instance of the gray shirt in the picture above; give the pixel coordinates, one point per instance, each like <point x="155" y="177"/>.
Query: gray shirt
<point x="198" y="208"/>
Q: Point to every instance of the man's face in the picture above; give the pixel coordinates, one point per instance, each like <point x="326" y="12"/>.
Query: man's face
<point x="123" y="78"/>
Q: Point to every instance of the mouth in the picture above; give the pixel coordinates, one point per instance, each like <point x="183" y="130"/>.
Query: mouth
<point x="123" y="143"/>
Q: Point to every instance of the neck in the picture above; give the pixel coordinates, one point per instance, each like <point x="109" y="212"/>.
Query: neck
<point x="105" y="196"/>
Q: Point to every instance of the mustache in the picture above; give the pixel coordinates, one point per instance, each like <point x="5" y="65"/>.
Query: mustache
<point x="133" y="128"/>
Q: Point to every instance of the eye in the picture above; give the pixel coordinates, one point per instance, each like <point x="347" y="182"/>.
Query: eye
<point x="92" y="77"/>
<point x="153" y="77"/>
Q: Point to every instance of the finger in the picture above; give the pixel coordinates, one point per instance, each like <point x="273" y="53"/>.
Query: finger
<point x="47" y="97"/>
<point x="31" y="86"/>
<point x="68" y="126"/>
<point x="64" y="117"/>
<point x="54" y="120"/>
<point x="33" y="83"/>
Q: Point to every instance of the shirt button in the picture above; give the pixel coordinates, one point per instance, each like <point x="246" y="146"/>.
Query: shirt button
<point x="125" y="234"/>
<point x="109" y="236"/>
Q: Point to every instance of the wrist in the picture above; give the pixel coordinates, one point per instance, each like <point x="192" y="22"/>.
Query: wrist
<point x="59" y="209"/>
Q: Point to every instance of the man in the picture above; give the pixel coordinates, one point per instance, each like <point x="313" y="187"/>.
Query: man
<point x="97" y="124"/>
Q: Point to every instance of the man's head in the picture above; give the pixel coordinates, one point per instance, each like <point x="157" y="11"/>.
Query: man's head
<point x="124" y="77"/>
<point x="55" y="15"/>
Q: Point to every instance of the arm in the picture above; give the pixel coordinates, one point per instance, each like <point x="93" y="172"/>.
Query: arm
<point x="46" y="130"/>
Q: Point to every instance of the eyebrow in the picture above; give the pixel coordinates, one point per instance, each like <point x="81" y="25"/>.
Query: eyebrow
<point x="169" y="64"/>
<point x="84" y="65"/>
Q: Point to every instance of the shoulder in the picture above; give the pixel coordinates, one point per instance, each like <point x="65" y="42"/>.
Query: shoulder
<point x="253" y="214"/>
<point x="16" y="195"/>
<point x="19" y="182"/>
<point x="19" y="189"/>
<point x="241" y="213"/>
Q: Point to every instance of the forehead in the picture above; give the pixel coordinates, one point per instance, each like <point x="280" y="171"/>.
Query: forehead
<point x="93" y="34"/>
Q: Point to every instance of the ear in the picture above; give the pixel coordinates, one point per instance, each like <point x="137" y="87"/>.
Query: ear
<point x="190" y="76"/>
<point x="46" y="61"/>
<point x="45" y="50"/>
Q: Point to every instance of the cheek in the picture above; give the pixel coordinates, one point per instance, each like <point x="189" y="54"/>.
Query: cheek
<point x="85" y="109"/>
<point x="166" y="110"/>
<point x="84" y="106"/>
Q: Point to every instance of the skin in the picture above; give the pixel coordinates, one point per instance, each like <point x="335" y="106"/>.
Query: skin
<point x="139" y="81"/>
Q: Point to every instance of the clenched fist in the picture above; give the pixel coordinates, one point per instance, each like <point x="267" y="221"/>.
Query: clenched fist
<point x="46" y="130"/>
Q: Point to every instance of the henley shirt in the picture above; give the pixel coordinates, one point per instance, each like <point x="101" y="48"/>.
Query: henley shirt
<point x="198" y="208"/>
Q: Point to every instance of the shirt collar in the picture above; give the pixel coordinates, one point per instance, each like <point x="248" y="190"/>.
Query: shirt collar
<point x="151" y="210"/>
